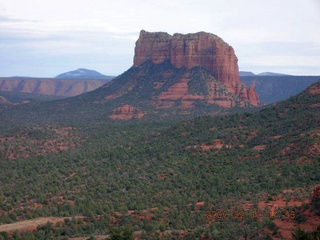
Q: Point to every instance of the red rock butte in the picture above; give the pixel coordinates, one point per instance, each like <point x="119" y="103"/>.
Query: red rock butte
<point x="200" y="49"/>
<point x="190" y="50"/>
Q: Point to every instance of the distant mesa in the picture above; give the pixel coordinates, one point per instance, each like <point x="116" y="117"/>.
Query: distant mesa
<point x="66" y="84"/>
<point x="50" y="86"/>
<point x="272" y="74"/>
<point x="82" y="73"/>
<point x="244" y="73"/>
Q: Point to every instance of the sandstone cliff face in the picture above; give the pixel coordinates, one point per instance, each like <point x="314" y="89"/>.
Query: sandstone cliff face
<point x="191" y="50"/>
<point x="200" y="49"/>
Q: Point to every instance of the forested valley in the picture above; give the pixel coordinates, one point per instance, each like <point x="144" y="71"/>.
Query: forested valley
<point x="209" y="177"/>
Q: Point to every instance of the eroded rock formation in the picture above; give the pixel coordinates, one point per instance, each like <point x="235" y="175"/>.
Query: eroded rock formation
<point x="200" y="49"/>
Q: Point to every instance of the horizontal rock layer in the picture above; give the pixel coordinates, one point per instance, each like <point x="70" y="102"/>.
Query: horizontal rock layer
<point x="190" y="50"/>
<point x="49" y="86"/>
<point x="200" y="49"/>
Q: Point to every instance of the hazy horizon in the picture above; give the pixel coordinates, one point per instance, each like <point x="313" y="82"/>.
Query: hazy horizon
<point x="44" y="39"/>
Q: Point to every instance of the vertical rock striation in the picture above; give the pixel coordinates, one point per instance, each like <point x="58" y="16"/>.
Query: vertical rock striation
<point x="195" y="50"/>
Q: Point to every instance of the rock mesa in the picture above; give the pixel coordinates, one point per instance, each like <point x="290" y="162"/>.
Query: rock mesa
<point x="200" y="49"/>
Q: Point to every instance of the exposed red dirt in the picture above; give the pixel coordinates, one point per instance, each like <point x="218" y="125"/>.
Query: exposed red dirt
<point x="259" y="147"/>
<point x="315" y="149"/>
<point x="98" y="237"/>
<point x="314" y="90"/>
<point x="316" y="105"/>
<point x="199" y="205"/>
<point x="287" y="225"/>
<point x="276" y="137"/>
<point x="217" y="144"/>
<point x="127" y="112"/>
<point x="22" y="145"/>
<point x="162" y="175"/>
<point x="281" y="204"/>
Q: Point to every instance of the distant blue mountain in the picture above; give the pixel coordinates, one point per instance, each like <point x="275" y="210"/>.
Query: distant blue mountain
<point x="277" y="87"/>
<point x="83" y="73"/>
<point x="244" y="73"/>
<point x="272" y="74"/>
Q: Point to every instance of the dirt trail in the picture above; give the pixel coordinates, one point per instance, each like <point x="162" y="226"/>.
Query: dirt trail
<point x="29" y="224"/>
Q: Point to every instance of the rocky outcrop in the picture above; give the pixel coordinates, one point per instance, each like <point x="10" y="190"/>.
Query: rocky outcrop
<point x="126" y="112"/>
<point x="200" y="49"/>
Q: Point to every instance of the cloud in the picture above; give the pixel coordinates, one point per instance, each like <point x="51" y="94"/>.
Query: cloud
<point x="10" y="20"/>
<point x="99" y="30"/>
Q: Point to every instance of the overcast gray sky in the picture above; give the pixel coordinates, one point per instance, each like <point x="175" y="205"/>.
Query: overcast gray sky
<point x="43" y="38"/>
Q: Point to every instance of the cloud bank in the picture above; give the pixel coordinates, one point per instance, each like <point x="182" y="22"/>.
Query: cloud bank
<point x="45" y="38"/>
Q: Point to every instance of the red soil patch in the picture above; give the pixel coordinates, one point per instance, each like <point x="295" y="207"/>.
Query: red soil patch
<point x="314" y="90"/>
<point x="23" y="102"/>
<point x="98" y="237"/>
<point x="127" y="112"/>
<point x="281" y="204"/>
<point x="187" y="104"/>
<point x="316" y="105"/>
<point x="288" y="191"/>
<point x="162" y="175"/>
<point x="276" y="137"/>
<point x="169" y="233"/>
<point x="113" y="96"/>
<point x="287" y="225"/>
<point x="159" y="85"/>
<point x="55" y="140"/>
<point x="259" y="147"/>
<point x="248" y="206"/>
<point x="199" y="205"/>
<point x="285" y="228"/>
<point x="316" y="193"/>
<point x="217" y="144"/>
<point x="312" y="222"/>
<point x="184" y="134"/>
<point x="315" y="149"/>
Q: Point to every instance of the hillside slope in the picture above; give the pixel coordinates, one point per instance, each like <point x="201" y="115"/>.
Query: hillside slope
<point x="172" y="77"/>
<point x="166" y="176"/>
